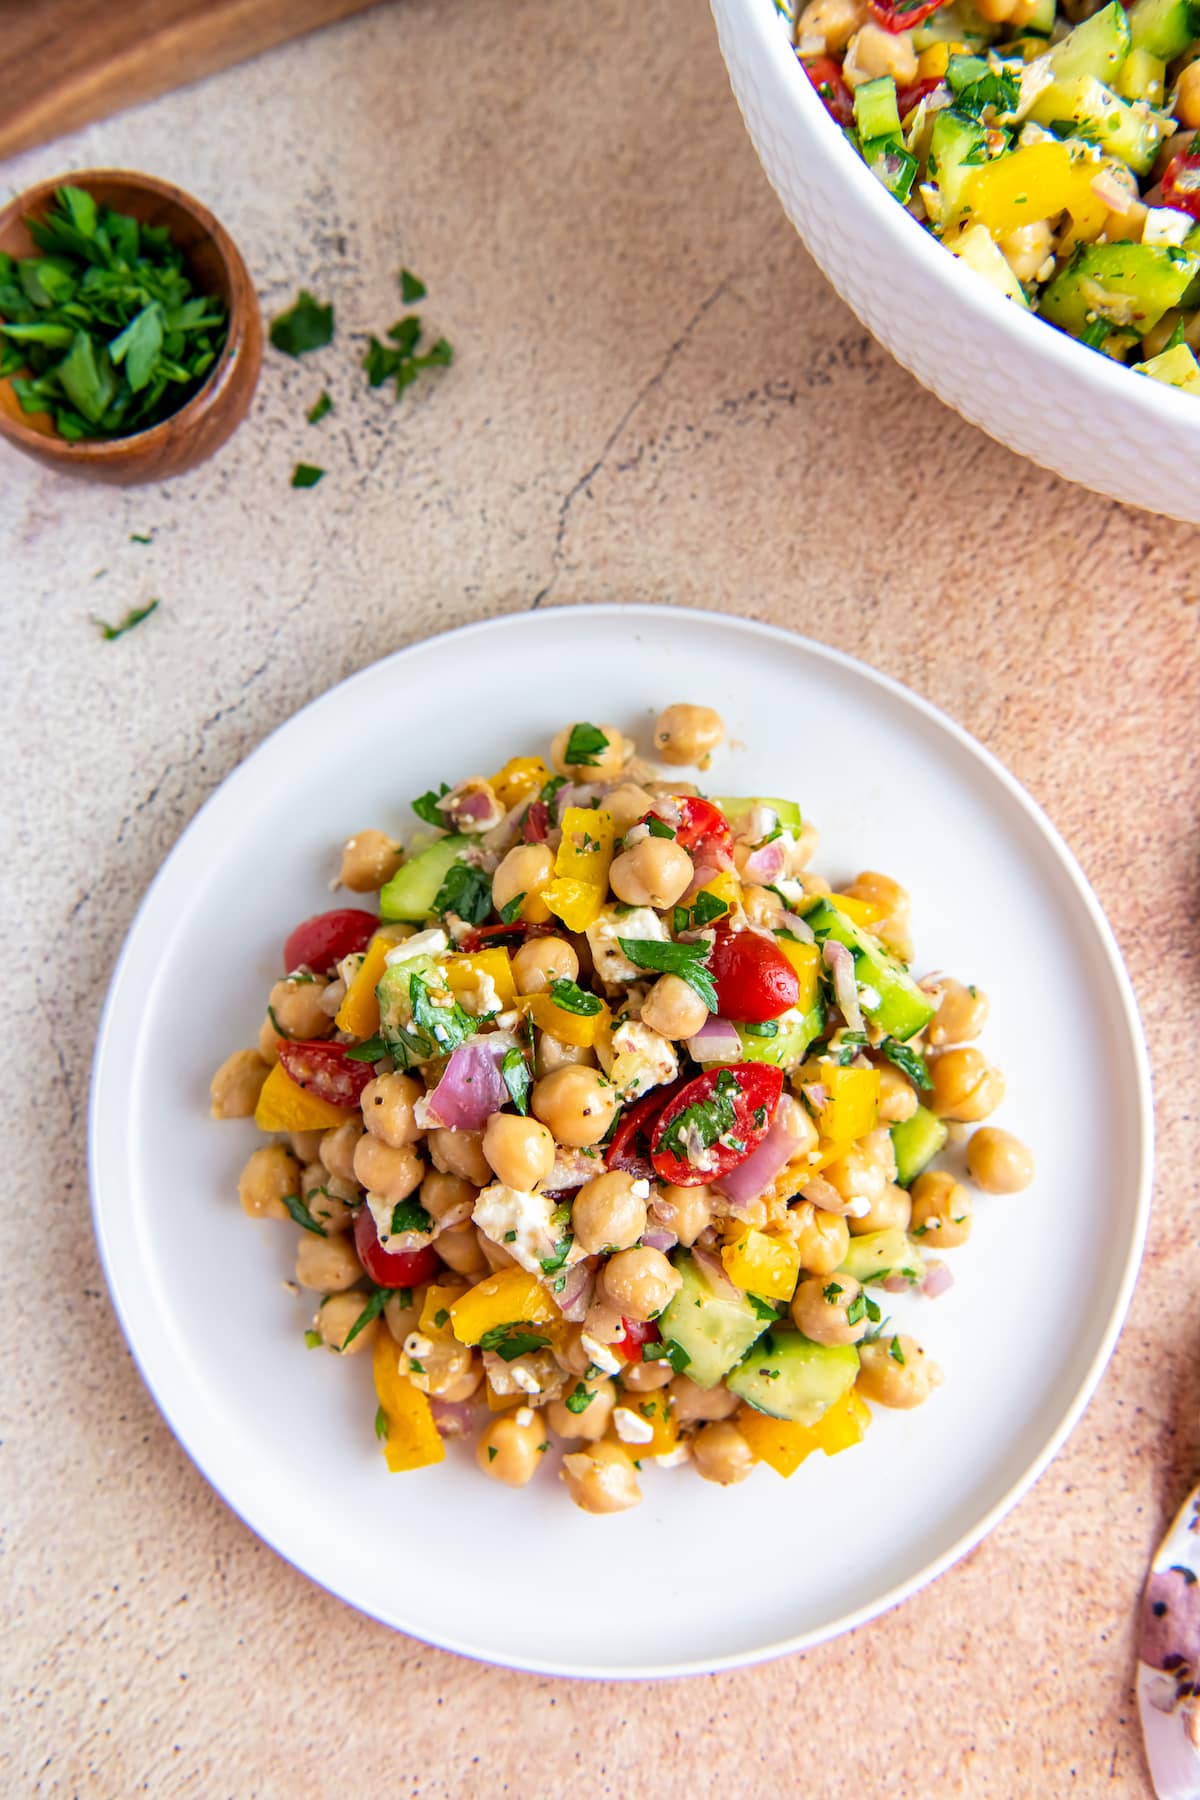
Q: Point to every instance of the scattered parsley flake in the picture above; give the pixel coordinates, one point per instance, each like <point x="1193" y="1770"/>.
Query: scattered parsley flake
<point x="320" y="406"/>
<point x="572" y="998"/>
<point x="306" y="475"/>
<point x="305" y="326"/>
<point x="512" y="1340"/>
<point x="301" y="1214"/>
<point x="381" y="1423"/>
<point x="584" y="746"/>
<point x="688" y="961"/>
<point x="134" y="617"/>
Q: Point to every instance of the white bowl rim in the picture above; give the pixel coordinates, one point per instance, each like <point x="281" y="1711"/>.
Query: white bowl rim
<point x="1142" y="1098"/>
<point x="1031" y="335"/>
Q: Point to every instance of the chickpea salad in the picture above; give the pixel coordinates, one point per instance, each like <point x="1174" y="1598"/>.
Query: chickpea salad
<point x="1053" y="148"/>
<point x="612" y="1127"/>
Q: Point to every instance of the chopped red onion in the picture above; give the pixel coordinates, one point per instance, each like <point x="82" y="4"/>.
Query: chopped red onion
<point x="453" y="1216"/>
<point x="895" y="1284"/>
<point x="714" y="1270"/>
<point x="453" y="1418"/>
<point x="755" y="1176"/>
<point x="716" y="1041"/>
<point x="766" y="864"/>
<point x="800" y="928"/>
<point x="840" y="964"/>
<point x="704" y="873"/>
<point x="938" y="1277"/>
<point x="575" y="1296"/>
<point x="471" y="1089"/>
<point x="536" y="823"/>
<point x="578" y="793"/>
<point x="657" y="1237"/>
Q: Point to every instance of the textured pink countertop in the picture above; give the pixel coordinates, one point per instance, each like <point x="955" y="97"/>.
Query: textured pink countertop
<point x="657" y="397"/>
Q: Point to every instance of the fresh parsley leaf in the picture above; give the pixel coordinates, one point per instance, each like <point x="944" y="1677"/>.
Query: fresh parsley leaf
<point x="550" y="1264"/>
<point x="659" y="828"/>
<point x="848" y="1046"/>
<point x="306" y="475"/>
<point x="510" y="1237"/>
<point x="896" y="1351"/>
<point x="371" y="1050"/>
<point x="763" y="1309"/>
<point x="513" y="1340"/>
<point x="492" y="1452"/>
<point x="584" y="746"/>
<point x="873" y="1312"/>
<point x="708" y="907"/>
<point x="409" y="1215"/>
<point x="977" y="87"/>
<point x="381" y="1423"/>
<point x="909" y="1062"/>
<point x="132" y="618"/>
<point x="371" y="1310"/>
<point x="412" y="288"/>
<point x="705" y="1122"/>
<point x="426" y="805"/>
<point x="511" y="910"/>
<point x="830" y="1292"/>
<point x="549" y="794"/>
<point x="685" y="960"/>
<point x="517" y="1079"/>
<point x="301" y="1214"/>
<point x="305" y="326"/>
<point x="446" y="1027"/>
<point x="466" y="891"/>
<point x="139" y="537"/>
<point x="765" y="1028"/>
<point x="313" y="1340"/>
<point x="320" y="406"/>
<point x="571" y="998"/>
<point x="677" y="1355"/>
<point x="441" y="1317"/>
<point x="579" y="1399"/>
<point x="656" y="1352"/>
<point x="856" y="1309"/>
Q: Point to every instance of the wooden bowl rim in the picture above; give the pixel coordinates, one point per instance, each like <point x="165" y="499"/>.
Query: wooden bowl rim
<point x="113" y="449"/>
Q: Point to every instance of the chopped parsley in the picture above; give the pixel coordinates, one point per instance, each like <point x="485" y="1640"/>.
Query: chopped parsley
<point x="976" y="87"/>
<point x="513" y="1340"/>
<point x="409" y="1215"/>
<point x="492" y="1452"/>
<point x="584" y="746"/>
<point x="313" y="1340"/>
<point x="909" y="1062"/>
<point x="443" y="1027"/>
<point x="441" y="1317"/>
<point x="896" y="1352"/>
<point x="305" y="326"/>
<point x="397" y="361"/>
<point x="571" y="998"/>
<point x="578" y="1399"/>
<point x="371" y="1050"/>
<point x="301" y="1214"/>
<point x="320" y="406"/>
<point x="306" y="475"/>
<point x="517" y="1079"/>
<point x="659" y="828"/>
<point x="134" y="617"/>
<point x="763" y="1309"/>
<point x="381" y="1423"/>
<point x="510" y="1237"/>
<point x="511" y="910"/>
<point x="549" y="795"/>
<point x="467" y="892"/>
<point x="830" y="1292"/>
<point x="412" y="288"/>
<point x="426" y="805"/>
<point x="370" y="1311"/>
<point x="549" y="1265"/>
<point x="707" y="908"/>
<point x="656" y="1352"/>
<point x="705" y="1122"/>
<point x="688" y="961"/>
<point x="764" y="1028"/>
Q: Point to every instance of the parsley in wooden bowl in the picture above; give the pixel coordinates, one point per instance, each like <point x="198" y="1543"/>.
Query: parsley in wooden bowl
<point x="130" y="338"/>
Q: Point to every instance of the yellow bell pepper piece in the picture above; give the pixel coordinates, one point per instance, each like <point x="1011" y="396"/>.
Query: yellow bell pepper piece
<point x="1033" y="183"/>
<point x="520" y="779"/>
<point x="843" y="1424"/>
<point x="806" y="960"/>
<point x="853" y="1105"/>
<point x="760" y="1263"/>
<point x="359" y="1012"/>
<point x="436" y="1307"/>
<point x="933" y="63"/>
<point x="464" y="972"/>
<point x="282" y="1106"/>
<point x="587" y="845"/>
<point x="581" y="1029"/>
<point x="511" y="1296"/>
<point x="783" y="1444"/>
<point x="863" y="912"/>
<point x="576" y="903"/>
<point x="501" y="1402"/>
<point x="657" y="1414"/>
<point x="412" y="1440"/>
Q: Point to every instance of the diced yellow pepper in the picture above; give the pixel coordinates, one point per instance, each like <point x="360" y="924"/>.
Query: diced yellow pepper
<point x="853" y="1105"/>
<point x="657" y="1414"/>
<point x="587" y="845"/>
<point x="282" y="1106"/>
<point x="501" y="1402"/>
<point x="412" y="1440"/>
<point x="576" y="903"/>
<point x="359" y="1012"/>
<point x="511" y="1296"/>
<point x="843" y="1424"/>
<point x="783" y="1444"/>
<point x="436" y="1306"/>
<point x="863" y="912"/>
<point x="464" y="972"/>
<point x="724" y="887"/>
<point x="1033" y="183"/>
<point x="933" y="62"/>
<point x="806" y="960"/>
<point x="581" y="1029"/>
<point x="520" y="779"/>
<point x="760" y="1263"/>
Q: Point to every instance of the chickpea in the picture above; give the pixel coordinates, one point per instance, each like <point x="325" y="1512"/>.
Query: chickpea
<point x="961" y="1015"/>
<point x="387" y="1109"/>
<point x="1187" y="101"/>
<point x="329" y="1200"/>
<point x="644" y="1377"/>
<point x="964" y="1084"/>
<point x="895" y="1371"/>
<point x="297" y="1008"/>
<point x="721" y="1453"/>
<point x="592" y="1422"/>
<point x="794" y="1118"/>
<point x="892" y="1210"/>
<point x="895" y="902"/>
<point x="627" y="804"/>
<point x="237" y="1084"/>
<point x="460" y="1153"/>
<point x="941" y="1210"/>
<point x="691" y="1404"/>
<point x="271" y="1173"/>
<point x="510" y="1447"/>
<point x="674" y="1008"/>
<point x="269" y="1041"/>
<point x="577" y="1104"/>
<point x="639" y="1283"/>
<point x="402" y="1320"/>
<point x="570" y="1352"/>
<point x="1027" y="248"/>
<point x="337" y="1149"/>
<point x="461" y="1386"/>
<point x="552" y="1053"/>
<point x="459" y="1249"/>
<point x="862" y="1173"/>
<point x="685" y="1210"/>
<point x="999" y="1162"/>
<point x="688" y="734"/>
<point x="336" y="1318"/>
<point x="655" y="872"/>
<point x="441" y="1193"/>
<point x="822" y="1238"/>
<point x="520" y="1150"/>
<point x="609" y="1211"/>
<point x="873" y="52"/>
<point x="762" y="907"/>
<point x="527" y="869"/>
<point x="369" y="859"/>
<point x="494" y="1255"/>
<point x="541" y="961"/>
<point x="326" y="1265"/>
<point x="834" y="21"/>
<point x="820" y="1305"/>
<point x="897" y="1096"/>
<point x="305" y="1145"/>
<point x="602" y="1479"/>
<point x="603" y="1324"/>
<point x="803" y="852"/>
<point x="608" y="761"/>
<point x="382" y="1170"/>
<point x="445" y="1367"/>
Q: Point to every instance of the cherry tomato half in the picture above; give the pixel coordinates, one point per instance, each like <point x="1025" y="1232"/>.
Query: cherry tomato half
<point x="635" y="1333"/>
<point x="714" y="1123"/>
<point x="325" y="1070"/>
<point x="535" y="827"/>
<point x="704" y="833"/>
<point x="826" y="76"/>
<point x="325" y="938"/>
<point x="1181" y="183"/>
<point x="894" y="15"/>
<point x="629" y="1147"/>
<point x="391" y="1268"/>
<point x="908" y="97"/>
<point x="754" y="979"/>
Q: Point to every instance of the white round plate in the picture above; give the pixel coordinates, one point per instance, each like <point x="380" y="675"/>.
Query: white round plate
<point x="524" y="1578"/>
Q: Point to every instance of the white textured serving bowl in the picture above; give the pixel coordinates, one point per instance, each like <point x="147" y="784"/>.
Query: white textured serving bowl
<point x="1030" y="386"/>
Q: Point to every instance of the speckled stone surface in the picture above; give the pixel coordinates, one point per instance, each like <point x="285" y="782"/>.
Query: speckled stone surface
<point x="656" y="397"/>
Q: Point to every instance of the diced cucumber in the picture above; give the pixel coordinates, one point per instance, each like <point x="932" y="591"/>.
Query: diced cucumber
<point x="1040" y="22"/>
<point x="916" y="1142"/>
<point x="736" y="806"/>
<point x="1098" y="46"/>
<point x="714" y="1330"/>
<point x="1142" y="76"/>
<point x="956" y="24"/>
<point x="394" y="994"/>
<point x="1127" y="285"/>
<point x="1164" y="27"/>
<point x="957" y="146"/>
<point x="1177" y="367"/>
<point x="790" y="1377"/>
<point x="1190" y="299"/>
<point x="785" y="1046"/>
<point x="1122" y="129"/>
<point x="879" y="1253"/>
<point x="978" y="249"/>
<point x="891" y="164"/>
<point x="411" y="892"/>
<point x="897" y="1004"/>
<point x="875" y="112"/>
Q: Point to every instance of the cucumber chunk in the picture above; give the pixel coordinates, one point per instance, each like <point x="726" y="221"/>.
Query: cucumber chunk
<point x="1096" y="47"/>
<point x="879" y="1253"/>
<point x="916" y="1142"/>
<point x="736" y="806"/>
<point x="1164" y="27"/>
<point x="957" y="147"/>
<point x="790" y="1377"/>
<point x="1177" y="367"/>
<point x="713" y="1330"/>
<point x="875" y="110"/>
<point x="1083" y="103"/>
<point x="897" y="1004"/>
<point x="1127" y="285"/>
<point x="785" y="1047"/>
<point x="411" y="892"/>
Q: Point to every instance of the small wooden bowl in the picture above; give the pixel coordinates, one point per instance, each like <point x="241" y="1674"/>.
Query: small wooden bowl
<point x="204" y="422"/>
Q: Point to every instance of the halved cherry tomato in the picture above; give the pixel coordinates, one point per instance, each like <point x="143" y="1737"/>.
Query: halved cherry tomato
<point x="714" y="1123"/>
<point x="1181" y="183"/>
<point x="629" y="1147"/>
<point x="826" y="76"/>
<point x="325" y="938"/>
<point x="704" y="833"/>
<point x="325" y="1070"/>
<point x="636" y="1332"/>
<point x="894" y="15"/>
<point x="908" y="97"/>
<point x="754" y="979"/>
<point x="535" y="826"/>
<point x="392" y="1268"/>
